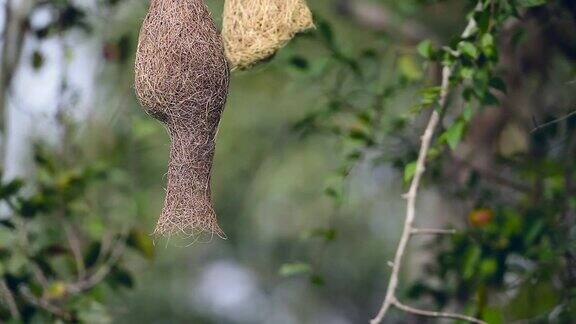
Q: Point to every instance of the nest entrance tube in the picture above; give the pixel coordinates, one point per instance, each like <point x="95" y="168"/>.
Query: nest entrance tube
<point x="181" y="79"/>
<point x="187" y="206"/>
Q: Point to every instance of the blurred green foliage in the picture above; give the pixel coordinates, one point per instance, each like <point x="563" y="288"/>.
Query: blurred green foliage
<point x="63" y="243"/>
<point x="59" y="250"/>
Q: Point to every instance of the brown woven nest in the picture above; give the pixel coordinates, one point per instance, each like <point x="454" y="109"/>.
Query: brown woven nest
<point x="181" y="78"/>
<point x="254" y="30"/>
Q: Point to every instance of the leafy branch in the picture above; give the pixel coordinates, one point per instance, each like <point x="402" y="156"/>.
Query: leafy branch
<point x="409" y="229"/>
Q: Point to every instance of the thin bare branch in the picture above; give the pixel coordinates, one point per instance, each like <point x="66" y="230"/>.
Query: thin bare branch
<point x="43" y="303"/>
<point x="25" y="242"/>
<point x="426" y="313"/>
<point x="557" y="120"/>
<point x="39" y="274"/>
<point x="100" y="274"/>
<point x="432" y="231"/>
<point x="8" y="297"/>
<point x="74" y="243"/>
<point x="411" y="207"/>
<point x="106" y="245"/>
<point x="408" y="230"/>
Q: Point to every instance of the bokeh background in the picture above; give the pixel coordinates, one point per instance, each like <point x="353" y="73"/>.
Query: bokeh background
<point x="307" y="241"/>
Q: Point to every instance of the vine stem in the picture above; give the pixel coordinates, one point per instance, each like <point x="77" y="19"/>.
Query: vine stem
<point x="409" y="230"/>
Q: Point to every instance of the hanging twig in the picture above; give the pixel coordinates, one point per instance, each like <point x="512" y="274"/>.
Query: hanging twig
<point x="431" y="231"/>
<point x="9" y="299"/>
<point x="43" y="303"/>
<point x="420" y="312"/>
<point x="75" y="247"/>
<point x="100" y="274"/>
<point x="409" y="229"/>
<point x="557" y="120"/>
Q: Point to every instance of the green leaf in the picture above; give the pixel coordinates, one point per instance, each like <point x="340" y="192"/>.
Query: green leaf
<point x="417" y="108"/>
<point x="498" y="84"/>
<point x="488" y="267"/>
<point x="317" y="280"/>
<point x="44" y="161"/>
<point x="512" y="225"/>
<point x="533" y="232"/>
<point x="17" y="264"/>
<point x="468" y="112"/>
<point x="295" y="268"/>
<point x="94" y="227"/>
<point x="37" y="60"/>
<point x="333" y="193"/>
<point x="361" y="135"/>
<point x="94" y="312"/>
<point x="409" y="171"/>
<point x="468" y="94"/>
<point x="467" y="72"/>
<point x="325" y="31"/>
<point x="487" y="40"/>
<point x="120" y="277"/>
<point x="425" y="49"/>
<point x="10" y="189"/>
<point x="492" y="315"/>
<point x="471" y="261"/>
<point x="354" y="156"/>
<point x="468" y="49"/>
<point x="523" y="304"/>
<point x="300" y="63"/>
<point x="408" y="68"/>
<point x="489" y="99"/>
<point x="364" y="117"/>
<point x="92" y="253"/>
<point x="55" y="290"/>
<point x="328" y="234"/>
<point x="7" y="223"/>
<point x="141" y="242"/>
<point x="38" y="203"/>
<point x="519" y="37"/>
<point x="453" y="134"/>
<point x="430" y="95"/>
<point x="483" y="20"/>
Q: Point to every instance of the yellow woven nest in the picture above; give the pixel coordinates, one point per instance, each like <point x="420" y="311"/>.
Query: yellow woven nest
<point x="254" y="30"/>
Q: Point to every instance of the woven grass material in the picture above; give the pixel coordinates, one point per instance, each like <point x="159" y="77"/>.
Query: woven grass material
<point x="254" y="30"/>
<point x="181" y="78"/>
